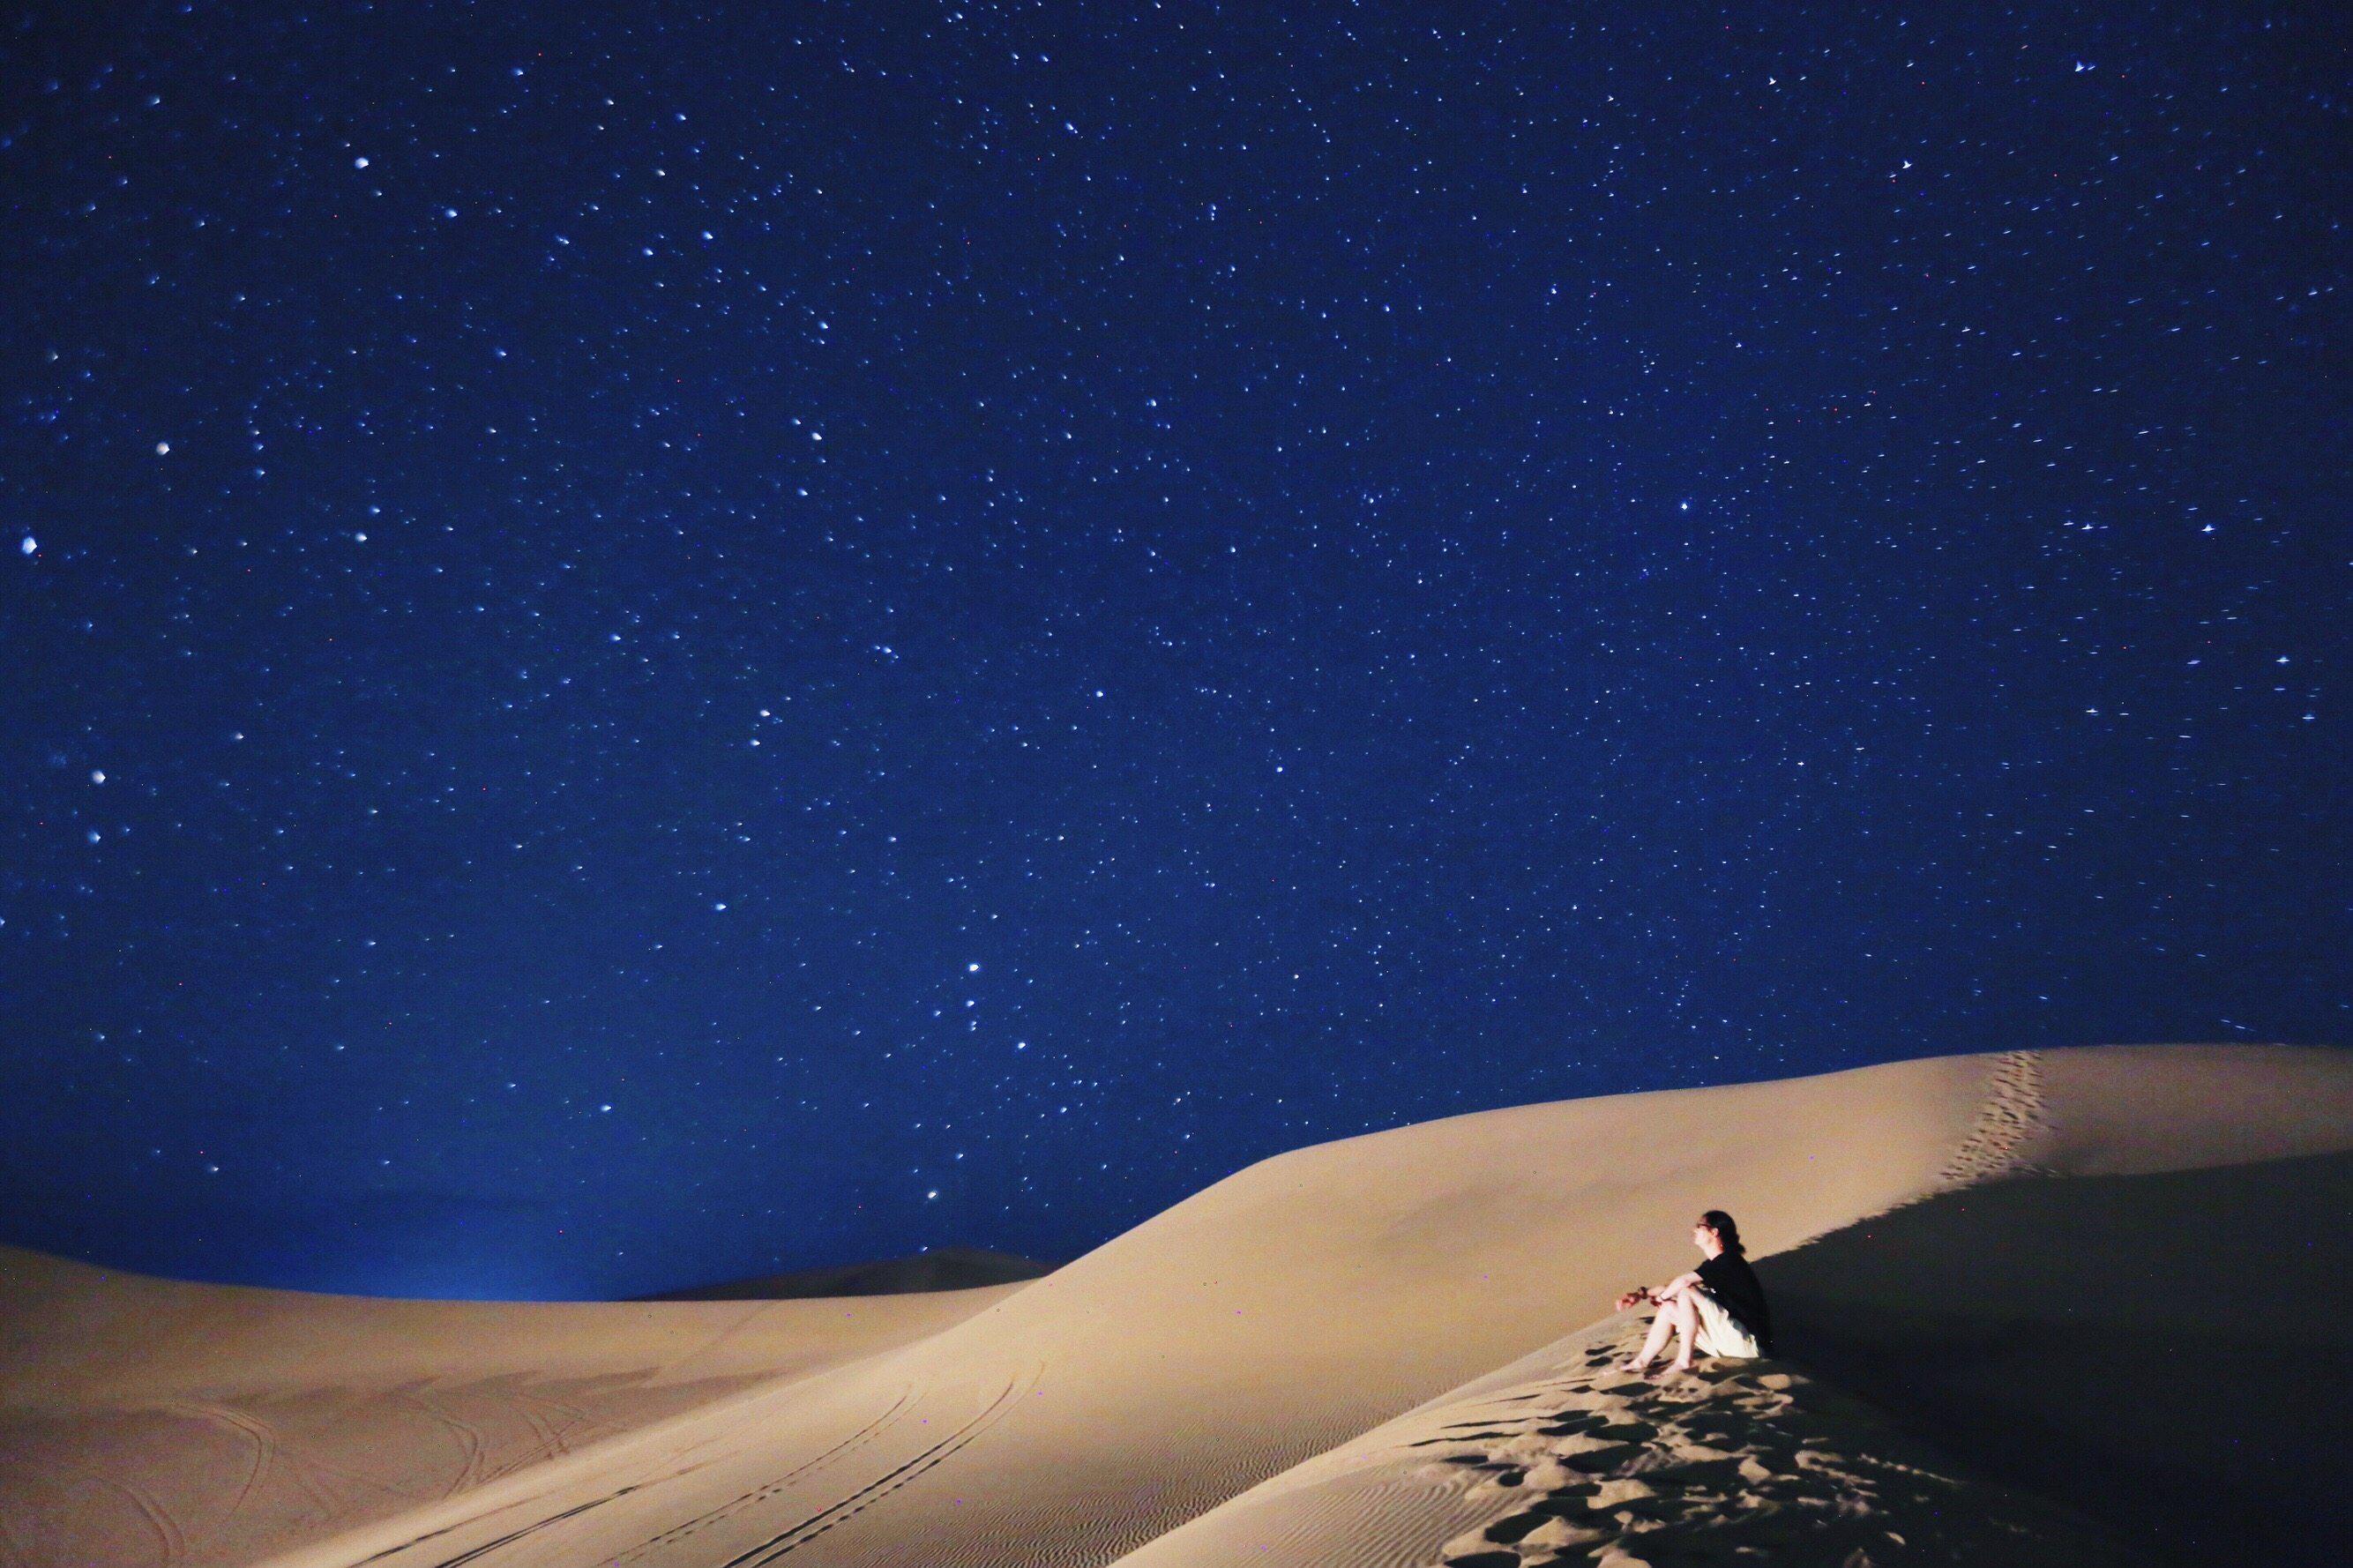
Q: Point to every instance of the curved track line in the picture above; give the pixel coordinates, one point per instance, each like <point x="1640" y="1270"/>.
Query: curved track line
<point x="264" y="1441"/>
<point x="874" y="1491"/>
<point x="550" y="1443"/>
<point x="298" y="1465"/>
<point x="574" y="1418"/>
<point x="513" y="1536"/>
<point x="166" y="1529"/>
<point x="433" y="1534"/>
<point x="768" y="1488"/>
<point x="470" y="1442"/>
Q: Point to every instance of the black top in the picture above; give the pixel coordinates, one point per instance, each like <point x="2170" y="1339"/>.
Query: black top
<point x="1730" y="1280"/>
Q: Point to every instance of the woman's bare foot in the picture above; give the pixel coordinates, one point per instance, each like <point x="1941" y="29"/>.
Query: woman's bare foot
<point x="1676" y="1366"/>
<point x="1632" y="1367"/>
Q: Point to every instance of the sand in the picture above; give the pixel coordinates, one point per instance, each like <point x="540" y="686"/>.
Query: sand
<point x="944" y="1269"/>
<point x="1188" y="1392"/>
<point x="1566" y="1458"/>
<point x="2074" y="1350"/>
<point x="146" y="1420"/>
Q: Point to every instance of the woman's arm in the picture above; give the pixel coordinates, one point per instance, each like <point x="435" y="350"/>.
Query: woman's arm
<point x="1657" y="1295"/>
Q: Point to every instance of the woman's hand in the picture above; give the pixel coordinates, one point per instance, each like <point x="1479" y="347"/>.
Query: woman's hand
<point x="1635" y="1298"/>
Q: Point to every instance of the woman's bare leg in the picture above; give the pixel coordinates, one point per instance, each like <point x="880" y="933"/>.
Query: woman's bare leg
<point x="1660" y="1327"/>
<point x="1686" y="1324"/>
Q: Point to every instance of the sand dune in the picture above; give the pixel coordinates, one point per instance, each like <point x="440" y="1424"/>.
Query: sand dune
<point x="942" y="1268"/>
<point x="1564" y="1458"/>
<point x="2088" y="1307"/>
<point x="1274" y="1315"/>
<point x="1293" y="1310"/>
<point x="147" y="1420"/>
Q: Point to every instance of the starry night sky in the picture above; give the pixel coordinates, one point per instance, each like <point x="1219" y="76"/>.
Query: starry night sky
<point x="649" y="643"/>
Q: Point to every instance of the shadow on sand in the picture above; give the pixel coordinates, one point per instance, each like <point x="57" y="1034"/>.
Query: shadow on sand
<point x="2171" y="1355"/>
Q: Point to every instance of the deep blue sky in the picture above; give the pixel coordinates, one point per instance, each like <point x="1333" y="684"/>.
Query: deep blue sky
<point x="649" y="643"/>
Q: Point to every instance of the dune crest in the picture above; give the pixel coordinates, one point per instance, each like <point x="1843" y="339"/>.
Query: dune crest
<point x="943" y="1269"/>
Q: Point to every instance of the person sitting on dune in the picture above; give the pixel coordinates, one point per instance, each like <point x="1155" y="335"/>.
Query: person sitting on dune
<point x="1718" y="1308"/>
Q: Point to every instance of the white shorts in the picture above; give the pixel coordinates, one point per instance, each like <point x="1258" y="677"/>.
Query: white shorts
<point x="1720" y="1332"/>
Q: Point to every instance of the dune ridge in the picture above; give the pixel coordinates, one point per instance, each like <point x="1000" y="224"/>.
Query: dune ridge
<point x="942" y="1268"/>
<point x="1176" y="1385"/>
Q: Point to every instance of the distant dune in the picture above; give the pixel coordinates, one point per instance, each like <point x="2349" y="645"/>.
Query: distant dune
<point x="943" y="1269"/>
<point x="147" y="1421"/>
<point x="2085" y="1305"/>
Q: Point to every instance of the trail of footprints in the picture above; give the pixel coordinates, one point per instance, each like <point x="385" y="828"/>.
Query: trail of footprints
<point x="2011" y="1120"/>
<point x="1731" y="1462"/>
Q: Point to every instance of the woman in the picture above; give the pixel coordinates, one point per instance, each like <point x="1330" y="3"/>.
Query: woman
<point x="1718" y="1308"/>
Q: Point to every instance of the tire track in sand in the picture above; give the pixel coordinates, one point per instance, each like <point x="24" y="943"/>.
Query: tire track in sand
<point x="765" y="1489"/>
<point x="511" y="1537"/>
<point x="874" y="1491"/>
<point x="263" y="1440"/>
<point x="548" y="1443"/>
<point x="447" y="1530"/>
<point x="575" y="1420"/>
<point x="169" y="1537"/>
<point x="470" y="1441"/>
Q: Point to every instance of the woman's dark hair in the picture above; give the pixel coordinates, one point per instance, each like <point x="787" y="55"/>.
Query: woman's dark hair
<point x="1726" y="1231"/>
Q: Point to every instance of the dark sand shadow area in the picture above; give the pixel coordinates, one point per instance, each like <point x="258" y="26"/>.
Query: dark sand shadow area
<point x="2170" y="1354"/>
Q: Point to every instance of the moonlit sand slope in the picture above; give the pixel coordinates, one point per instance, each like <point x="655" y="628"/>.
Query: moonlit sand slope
<point x="1564" y="1459"/>
<point x="1269" y="1317"/>
<point x="1292" y="1309"/>
<point x="1304" y="1300"/>
<point x="2092" y="1312"/>
<point x="148" y="1421"/>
